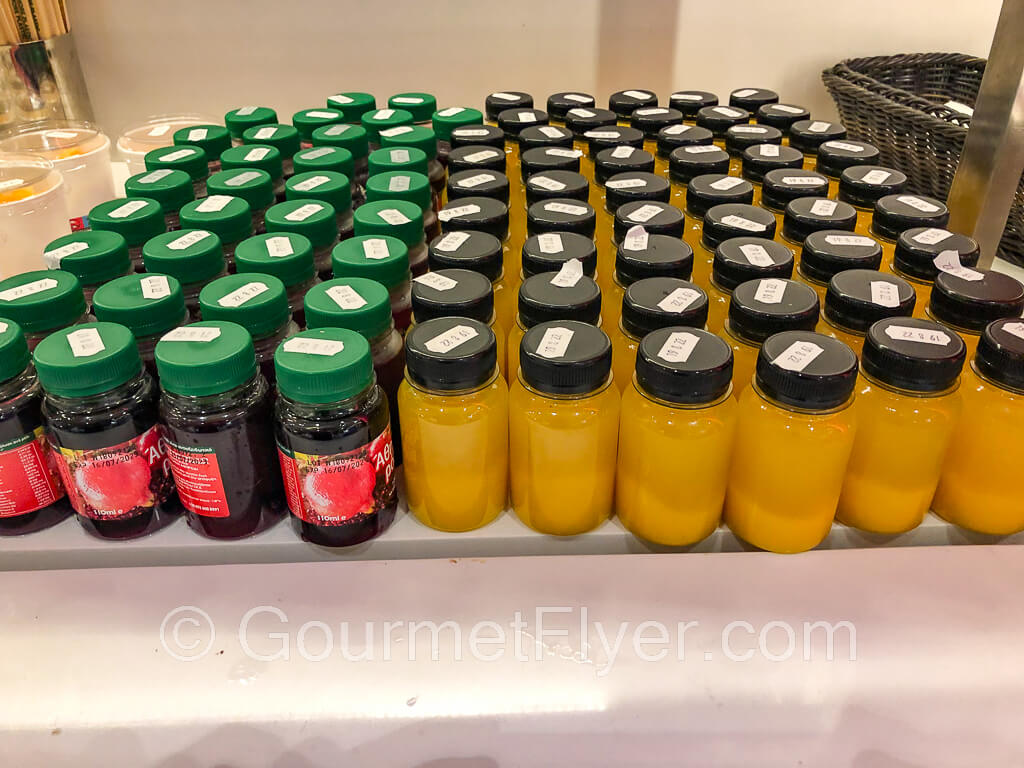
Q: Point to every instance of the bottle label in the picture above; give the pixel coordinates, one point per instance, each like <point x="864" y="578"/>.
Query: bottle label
<point x="245" y="110"/>
<point x="118" y="482"/>
<point x="399" y="155"/>
<point x="483" y="154"/>
<point x="679" y="300"/>
<point x="393" y="216"/>
<point x="336" y="130"/>
<point x="885" y="294"/>
<point x="476" y="180"/>
<point x="700" y="149"/>
<point x="471" y="132"/>
<point x="675" y="130"/>
<point x="843" y="145"/>
<point x="214" y="203"/>
<point x="399" y="184"/>
<point x="602" y="134"/>
<point x="29" y="477"/>
<point x="787" y="108"/>
<point x="504" y="96"/>
<point x="769" y="150"/>
<point x="526" y="117"/>
<point x="303" y="212"/>
<point x="279" y="246"/>
<point x="799" y="181"/>
<point x="451" y="242"/>
<point x="636" y="239"/>
<point x="340" y="98"/>
<point x="650" y="111"/>
<point x="154" y="176"/>
<point x="160" y="130"/>
<point x="578" y="98"/>
<point x="545" y="183"/>
<point x="406" y="100"/>
<point x="876" y="176"/>
<point x="637" y="94"/>
<point x="552" y="132"/>
<point x="823" y="207"/>
<point x="85" y="342"/>
<point x="316" y="154"/>
<point x="562" y="152"/>
<point x="346" y="297"/>
<point x="739" y="222"/>
<point x="451" y="111"/>
<point x="550" y="242"/>
<point x="919" y="335"/>
<point x="748" y="129"/>
<point x="256" y="154"/>
<point x="339" y="488"/>
<point x="949" y="261"/>
<point x="397" y="131"/>
<point x="621" y="153"/>
<point x="686" y="96"/>
<point x="192" y="333"/>
<point x="447" y="214"/>
<point x="570" y="274"/>
<point x="155" y="287"/>
<point x="757" y="255"/>
<point x="644" y="213"/>
<point x="37" y="286"/>
<point x="191" y="238"/>
<point x="726" y="183"/>
<point x="678" y="347"/>
<point x="197" y="134"/>
<point x="198" y="479"/>
<point x="580" y="112"/>
<point x="181" y="154"/>
<point x="742" y="94"/>
<point x="243" y="295"/>
<point x="931" y="236"/>
<point x="383" y="114"/>
<point x="797" y="356"/>
<point x="241" y="178"/>
<point x="727" y="112"/>
<point x="916" y="202"/>
<point x="555" y="342"/>
<point x="854" y="240"/>
<point x="435" y="280"/>
<point x="770" y="291"/>
<point x="311" y="183"/>
<point x="819" y="126"/>
<point x="1015" y="329"/>
<point x="625" y="183"/>
<point x="57" y="255"/>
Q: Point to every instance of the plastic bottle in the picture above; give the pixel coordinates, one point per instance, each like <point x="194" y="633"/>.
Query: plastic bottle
<point x="239" y="120"/>
<point x="479" y="136"/>
<point x="586" y="121"/>
<point x="230" y="218"/>
<point x="353" y="139"/>
<point x="190" y="159"/>
<point x="193" y="257"/>
<point x="621" y="189"/>
<point x="915" y="253"/>
<point x="352" y="104"/>
<point x="136" y="220"/>
<point x="806" y="215"/>
<point x="255" y="157"/>
<point x="724" y="221"/>
<point x="325" y="158"/>
<point x="808" y="135"/>
<point x="399" y="219"/>
<point x="657" y="218"/>
<point x="739" y="138"/>
<point x="411" y="187"/>
<point x="315" y="220"/>
<point x="288" y="257"/>
<point x="545" y="137"/>
<point x="423" y="139"/>
<point x="638" y="257"/>
<point x="94" y="257"/>
<point x="43" y="302"/>
<point x="624" y="103"/>
<point x="864" y="185"/>
<point x="691" y="102"/>
<point x="328" y="187"/>
<point x="305" y="121"/>
<point x="478" y="252"/>
<point x="701" y="195"/>
<point x="781" y="186"/>
<point x="483" y="214"/>
<point x="781" y="116"/>
<point x="858" y="298"/>
<point x="477" y="157"/>
<point x="836" y="155"/>
<point x="252" y="185"/>
<point x="672" y="138"/>
<point x="967" y="300"/>
<point x="171" y="189"/>
<point x="477" y="183"/>
<point x="567" y="185"/>
<point x="284" y="138"/>
<point x="212" y="139"/>
<point x="498" y="101"/>
<point x="692" y="161"/>
<point x="384" y="259"/>
<point x="650" y="121"/>
<point x="738" y="260"/>
<point x="444" y="121"/>
<point x="559" y="104"/>
<point x="719" y="119"/>
<point x="828" y="252"/>
<point x="758" y="159"/>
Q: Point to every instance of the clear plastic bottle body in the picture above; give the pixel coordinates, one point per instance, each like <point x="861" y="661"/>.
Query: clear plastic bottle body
<point x="922" y="288"/>
<point x="718" y="306"/>
<point x="388" y="353"/>
<point x="322" y="255"/>
<point x="33" y="339"/>
<point x="744" y="359"/>
<point x="798" y="274"/>
<point x="296" y="298"/>
<point x="265" y="347"/>
<point x="418" y="258"/>
<point x="191" y="293"/>
<point x="147" y="346"/>
<point x="854" y="341"/>
<point x="401" y="304"/>
<point x="505" y="300"/>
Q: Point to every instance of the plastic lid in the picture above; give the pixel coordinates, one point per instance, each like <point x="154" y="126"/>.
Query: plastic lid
<point x="444" y="121"/>
<point x="917" y="248"/>
<point x="973" y="303"/>
<point x="565" y="357"/>
<point x="560" y="103"/>
<point x="657" y="218"/>
<point x="255" y="301"/>
<point x="501" y="100"/>
<point x="674" y="136"/>
<point x="42" y="300"/>
<point x="376" y="257"/>
<point x="449" y="354"/>
<point x="705" y="192"/>
<point x="188" y="158"/>
<point x="306" y="121"/>
<point x="94" y="257"/>
<point x="1000" y="355"/>
<point x="740" y="259"/>
<point x="736" y="220"/>
<point x="388" y="159"/>
<point x="171" y="188"/>
<point x="828" y="252"/>
<point x="781" y="116"/>
<point x="761" y="158"/>
<point x="197" y="363"/>
<point x="397" y="218"/>
<point x="553" y="184"/>
<point x="452" y="293"/>
<point x="353" y="104"/>
<point x="762" y="307"/>
<point x="719" y="119"/>
<point x="547" y="252"/>
<point x="857" y="298"/>
<point x="895" y="213"/>
<point x="238" y="120"/>
<point x="323" y="365"/>
<point x="477" y="251"/>
<point x="560" y="215"/>
<point x="626" y="187"/>
<point x="806" y="370"/>
<point x="614" y="160"/>
<point x="356" y="303"/>
<point x="835" y="155"/>
<point x="483" y="214"/>
<point x="541" y="159"/>
<point x="687" y="162"/>
<point x="229" y="217"/>
<point x="410" y="186"/>
<point x="782" y="185"/>
<point x="420" y="137"/>
<point x="690" y="102"/>
<point x="14" y="357"/>
<point x="650" y="120"/>
<point x="740" y="137"/>
<point x="912" y="354"/>
<point x="640" y="256"/>
<point x="684" y="365"/>
<point x="87" y="359"/>
<point x="146" y="304"/>
<point x="579" y="120"/>
<point x="329" y="187"/>
<point x="284" y="138"/>
<point x="813" y="214"/>
<point x="542" y="298"/>
<point x="288" y="256"/>
<point x="479" y="136"/>
<point x="335" y="159"/>
<point x="611" y="136"/>
<point x="512" y="121"/>
<point x="752" y="98"/>
<point x="478" y="183"/>
<point x="213" y="139"/>
<point x="136" y="219"/>
<point x="476" y="157"/>
<point x="660" y="302"/>
<point x="344" y="136"/>
<point x="189" y="255"/>
<point x="808" y="135"/>
<point x="864" y="185"/>
<point x="260" y="157"/>
<point x="622" y="103"/>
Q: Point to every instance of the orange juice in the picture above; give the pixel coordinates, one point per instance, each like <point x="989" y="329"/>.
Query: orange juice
<point x="858" y="298"/>
<point x="738" y="260"/>
<point x="640" y="256"/>
<point x="828" y="252"/>
<point x="835" y="155"/>
<point x="864" y="185"/>
<point x="895" y="214"/>
<point x="969" y="299"/>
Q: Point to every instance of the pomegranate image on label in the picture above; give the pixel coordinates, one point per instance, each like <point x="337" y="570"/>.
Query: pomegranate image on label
<point x="341" y="490"/>
<point x="115" y="486"/>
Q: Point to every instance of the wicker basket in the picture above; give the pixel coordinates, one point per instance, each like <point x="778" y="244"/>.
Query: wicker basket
<point x="898" y="104"/>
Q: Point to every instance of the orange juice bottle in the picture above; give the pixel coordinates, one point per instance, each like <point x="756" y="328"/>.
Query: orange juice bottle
<point x="758" y="159"/>
<point x="584" y="120"/>
<point x="691" y="161"/>
<point x="835" y="155"/>
<point x="650" y="121"/>
<point x="477" y="183"/>
<point x="702" y="194"/>
<point x="894" y="214"/>
<point x="557" y="184"/>
<point x="476" y="157"/>
<point x="560" y="103"/>
<point x="478" y="136"/>
<point x="781" y="186"/>
<point x="479" y="252"/>
<point x="751" y="99"/>
<point x="781" y="116"/>
<point x="691" y="102"/>
<point x="814" y="214"/>
<point x="561" y="215"/>
<point x="720" y="119"/>
<point x="858" y="298"/>
<point x="615" y="160"/>
<point x="497" y="102"/>
<point x="864" y="185"/>
<point x="671" y="138"/>
<point x="828" y="252"/>
<point x="641" y="255"/>
<point x="549" y="252"/>
<point x="541" y="159"/>
<point x="724" y="221"/>
<point x="967" y="300"/>
<point x="808" y="135"/>
<point x="481" y="214"/>
<point x="624" y="103"/>
<point x="741" y="137"/>
<point x="914" y="257"/>
<point x="657" y="218"/>
<point x="738" y="260"/>
<point x="512" y="121"/>
<point x="535" y="136"/>
<point x="622" y="189"/>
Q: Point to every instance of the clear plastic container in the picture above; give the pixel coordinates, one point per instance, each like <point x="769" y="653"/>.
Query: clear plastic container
<point x="33" y="210"/>
<point x="154" y="133"/>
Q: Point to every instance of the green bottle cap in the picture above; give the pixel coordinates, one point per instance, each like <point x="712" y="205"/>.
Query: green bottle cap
<point x="14" y="355"/>
<point x="189" y="255"/>
<point x="206" y="358"/>
<point x="381" y="258"/>
<point x="337" y="159"/>
<point x="381" y="119"/>
<point x="323" y="365"/>
<point x="421" y="105"/>
<point x="213" y="139"/>
<point x="308" y="120"/>
<point x="410" y="186"/>
<point x="315" y="219"/>
<point x="251" y="184"/>
<point x="146" y="304"/>
<point x="255" y="301"/>
<point x="351" y="137"/>
<point x="418" y="136"/>
<point x="398" y="218"/>
<point x="329" y="186"/>
<point x="227" y="216"/>
<point x="288" y="256"/>
<point x="356" y="303"/>
<point x="284" y="138"/>
<point x="398" y="159"/>
<point x="136" y="219"/>
<point x="93" y="256"/>
<point x="260" y="157"/>
<point x="172" y="189"/>
<point x="448" y="119"/>
<point x="87" y="359"/>
<point x="42" y="300"/>
<point x="352" y="104"/>
<point x="188" y="158"/>
<point x="238" y="120"/>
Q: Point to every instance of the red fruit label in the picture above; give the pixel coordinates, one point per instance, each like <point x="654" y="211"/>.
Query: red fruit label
<point x="339" y="488"/>
<point x="29" y="479"/>
<point x="197" y="478"/>
<point x="118" y="482"/>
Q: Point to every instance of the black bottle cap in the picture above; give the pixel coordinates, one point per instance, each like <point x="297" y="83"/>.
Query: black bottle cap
<point x="752" y="98"/>
<point x="478" y="136"/>
<point x="761" y="158"/>
<point x="450" y="353"/>
<point x="544" y="136"/>
<point x="808" y="135"/>
<point x="541" y="300"/>
<point x="499" y="101"/>
<point x="659" y="302"/>
<point x="1000" y="355"/>
<point x="690" y="102"/>
<point x="828" y="252"/>
<point x="812" y="214"/>
<point x="565" y="357"/>
<point x="626" y="187"/>
<point x="719" y="119"/>
<point x="917" y="248"/>
<point x="452" y="293"/>
<point x="740" y="259"/>
<point x="684" y="365"/>
<point x="739" y="137"/>
<point x="622" y="103"/>
<point x="806" y="370"/>
<point x="973" y="304"/>
<point x="579" y="120"/>
<point x="864" y="185"/>
<point x="657" y="218"/>
<point x="736" y="220"/>
<point x="674" y="136"/>
<point x="895" y="213"/>
<point x="548" y="251"/>
<point x="560" y="103"/>
<point x="611" y="136"/>
<point x="476" y="251"/>
<point x="512" y="121"/>
<point x="552" y="184"/>
<point x="643" y="256"/>
<point x="705" y="192"/>
<point x="857" y="298"/>
<point x="650" y="120"/>
<point x="543" y="159"/>
<point x="688" y="162"/>
<point x="760" y="308"/>
<point x="836" y="154"/>
<point x="780" y="186"/>
<point x="561" y="215"/>
<point x="781" y="116"/>
<point x="614" y="160"/>
<point x="476" y="157"/>
<point x="482" y="214"/>
<point x="478" y="183"/>
<point x="912" y="354"/>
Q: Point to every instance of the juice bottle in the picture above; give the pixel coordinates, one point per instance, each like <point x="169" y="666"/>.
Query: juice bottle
<point x="478" y="252"/>
<point x="388" y="159"/>
<point x="687" y="162"/>
<point x="967" y="300"/>
<point x="560" y="215"/>
<point x="193" y="257"/>
<point x="100" y="416"/>
<point x="980" y="485"/>
<point x="188" y="158"/>
<point x="43" y="302"/>
<point x="702" y="194"/>
<point x="454" y="409"/>
<point x="781" y="116"/>
<point x="477" y="157"/>
<point x="806" y="215"/>
<point x="229" y="218"/>
<point x="657" y="218"/>
<point x="836" y="155"/>
<point x="238" y="120"/>
<point x="334" y="189"/>
<point x="611" y="161"/>
<point x="218" y="413"/>
<point x="94" y="257"/>
<point x="724" y="221"/>
<point x="584" y="120"/>
<point x="641" y="255"/>
<point x="739" y="138"/>
<point x="548" y="136"/>
<point x="758" y="309"/>
<point x="560" y="103"/>
<point x="421" y="105"/>
<point x="864" y="185"/>
<point x="446" y="120"/>
<point x="858" y="298"/>
<point x="624" y="103"/>
<point x="781" y="186"/>
<point x="400" y="219"/>
<point x="212" y="139"/>
<point x="333" y="159"/>
<point x="808" y="135"/>
<point x="557" y="184"/>
<point x="136" y="220"/>
<point x="611" y="137"/>
<point x="794" y="436"/>
<point x="252" y="185"/>
<point x="647" y="305"/>
<point x="334" y="438"/>
<point x="172" y="189"/>
<point x="623" y="188"/>
<point x="352" y="104"/>
<point x="482" y="214"/>
<point x="511" y="122"/>
<point x="352" y="138"/>
<point x="914" y="254"/>
<point x="541" y="159"/>
<point x="378" y="120"/>
<point x="256" y="157"/>
<point x="738" y="260"/>
<point x="316" y="221"/>
<point x="305" y="121"/>
<point x="408" y="186"/>
<point x="752" y="98"/>
<point x="650" y="121"/>
<point x="691" y="102"/>
<point x="477" y="183"/>
<point x="479" y="136"/>
<point x="384" y="259"/>
<point x="908" y="403"/>
<point x="676" y="431"/>
<point x="828" y="252"/>
<point x="720" y="119"/>
<point x="284" y="138"/>
<point x="549" y="252"/>
<point x="422" y="138"/>
<point x="758" y="159"/>
<point x="501" y="100"/>
<point x="563" y="429"/>
<point x="288" y="256"/>
<point x="673" y="137"/>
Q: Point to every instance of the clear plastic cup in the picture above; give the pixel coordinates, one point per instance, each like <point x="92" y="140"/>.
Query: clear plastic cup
<point x="153" y="133"/>
<point x="33" y="211"/>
